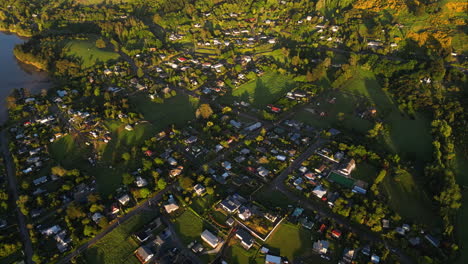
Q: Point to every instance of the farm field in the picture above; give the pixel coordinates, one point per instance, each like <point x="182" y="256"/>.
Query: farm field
<point x="262" y="91"/>
<point x="87" y="51"/>
<point x="117" y="247"/>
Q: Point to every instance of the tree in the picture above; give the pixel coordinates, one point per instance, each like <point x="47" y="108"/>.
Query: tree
<point x="100" y="43"/>
<point x="126" y="156"/>
<point x="140" y="72"/>
<point x="59" y="171"/>
<point x="204" y="111"/>
<point x="75" y="212"/>
<point x="127" y="179"/>
<point x="209" y="190"/>
<point x="186" y="183"/>
<point x="162" y="184"/>
<point x="144" y="192"/>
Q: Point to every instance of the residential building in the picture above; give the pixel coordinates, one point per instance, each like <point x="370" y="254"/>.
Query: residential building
<point x="246" y="239"/>
<point x="210" y="238"/>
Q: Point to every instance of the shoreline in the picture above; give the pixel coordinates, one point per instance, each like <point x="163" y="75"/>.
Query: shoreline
<point x="10" y="31"/>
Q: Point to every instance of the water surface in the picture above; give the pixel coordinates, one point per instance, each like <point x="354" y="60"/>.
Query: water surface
<point x="15" y="74"/>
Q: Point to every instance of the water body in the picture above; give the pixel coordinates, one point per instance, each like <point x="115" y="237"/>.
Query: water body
<point x="15" y="74"/>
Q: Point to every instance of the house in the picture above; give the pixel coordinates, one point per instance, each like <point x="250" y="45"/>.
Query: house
<point x="253" y="127"/>
<point x="321" y="246"/>
<point x="244" y="213"/>
<point x="319" y="191"/>
<point x="270" y="259"/>
<point x="141" y="182"/>
<point x="171" y="206"/>
<point x="230" y="204"/>
<point x="347" y="167"/>
<point x="230" y="221"/>
<point x="176" y="172"/>
<point x="348" y="255"/>
<point x="144" y="254"/>
<point x="124" y="199"/>
<point x="40" y="180"/>
<point x="142" y="236"/>
<point x="96" y="217"/>
<point x="235" y="124"/>
<point x="210" y="238"/>
<point x="181" y="59"/>
<point x="191" y="140"/>
<point x="246" y="239"/>
<point x="199" y="189"/>
<point x="262" y="171"/>
<point x="51" y="230"/>
<point x="226" y="164"/>
<point x="336" y="233"/>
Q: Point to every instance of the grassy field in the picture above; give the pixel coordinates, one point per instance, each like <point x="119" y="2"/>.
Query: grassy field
<point x="68" y="152"/>
<point x="298" y="241"/>
<point x="264" y="90"/>
<point x="409" y="137"/>
<point x="117" y="247"/>
<point x="189" y="227"/>
<point x="176" y="110"/>
<point x="407" y="197"/>
<point x="88" y="53"/>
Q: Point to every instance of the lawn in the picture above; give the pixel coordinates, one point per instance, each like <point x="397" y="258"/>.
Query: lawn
<point x="189" y="227"/>
<point x="236" y="254"/>
<point x="200" y="204"/>
<point x="272" y="199"/>
<point x="407" y="198"/>
<point x="298" y="241"/>
<point x="365" y="172"/>
<point x="175" y="110"/>
<point x="88" y="53"/>
<point x="262" y="91"/>
<point x="118" y="246"/>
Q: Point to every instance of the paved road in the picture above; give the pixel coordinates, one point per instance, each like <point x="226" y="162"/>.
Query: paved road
<point x="12" y="181"/>
<point x="122" y="219"/>
<point x="309" y="204"/>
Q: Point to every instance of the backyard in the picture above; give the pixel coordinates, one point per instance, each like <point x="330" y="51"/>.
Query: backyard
<point x="189" y="227"/>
